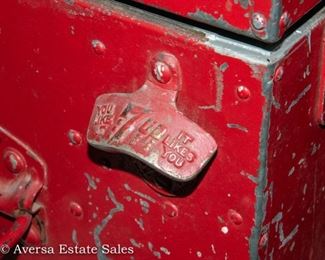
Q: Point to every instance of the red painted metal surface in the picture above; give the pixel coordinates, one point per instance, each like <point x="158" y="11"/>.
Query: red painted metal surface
<point x="260" y="196"/>
<point x="266" y="20"/>
<point x="294" y="218"/>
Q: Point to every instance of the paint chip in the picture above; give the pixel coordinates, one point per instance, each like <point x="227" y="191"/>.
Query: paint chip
<point x="225" y="230"/>
<point x="165" y="250"/>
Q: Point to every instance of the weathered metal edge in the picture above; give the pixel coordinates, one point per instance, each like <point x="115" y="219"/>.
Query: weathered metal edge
<point x="260" y="191"/>
<point x="221" y="44"/>
<point x="258" y="55"/>
<point x="272" y="29"/>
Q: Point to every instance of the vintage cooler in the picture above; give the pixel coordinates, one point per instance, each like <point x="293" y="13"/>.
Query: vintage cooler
<point x="131" y="133"/>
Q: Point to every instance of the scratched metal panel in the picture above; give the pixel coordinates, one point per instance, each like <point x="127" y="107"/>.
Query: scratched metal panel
<point x="52" y="71"/>
<point x="265" y="20"/>
<point x="294" y="184"/>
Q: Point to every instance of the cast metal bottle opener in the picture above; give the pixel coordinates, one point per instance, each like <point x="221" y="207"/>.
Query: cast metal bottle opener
<point x="146" y="125"/>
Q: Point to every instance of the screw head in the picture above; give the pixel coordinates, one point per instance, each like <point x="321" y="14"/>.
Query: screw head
<point x="161" y="72"/>
<point x="258" y="21"/>
<point x="74" y="137"/>
<point x="76" y="210"/>
<point x="235" y="217"/>
<point x="243" y="92"/>
<point x="98" y="46"/>
<point x="14" y="160"/>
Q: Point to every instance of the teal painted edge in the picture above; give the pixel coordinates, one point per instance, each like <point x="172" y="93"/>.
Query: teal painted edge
<point x="272" y="28"/>
<point x="260" y="193"/>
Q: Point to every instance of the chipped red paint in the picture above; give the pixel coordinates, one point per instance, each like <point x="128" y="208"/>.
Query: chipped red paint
<point x="51" y="75"/>
<point x="294" y="219"/>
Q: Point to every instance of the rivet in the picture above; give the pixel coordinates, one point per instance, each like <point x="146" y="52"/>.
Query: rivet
<point x="225" y="230"/>
<point x="98" y="46"/>
<point x="14" y="160"/>
<point x="278" y="73"/>
<point x="263" y="240"/>
<point x="170" y="209"/>
<point x="235" y="217"/>
<point x="161" y="72"/>
<point x="243" y="92"/>
<point x="258" y="21"/>
<point x="284" y="21"/>
<point x="76" y="209"/>
<point x="75" y="137"/>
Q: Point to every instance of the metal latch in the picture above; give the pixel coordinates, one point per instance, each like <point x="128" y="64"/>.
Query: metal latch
<point x="146" y="125"/>
<point x="22" y="177"/>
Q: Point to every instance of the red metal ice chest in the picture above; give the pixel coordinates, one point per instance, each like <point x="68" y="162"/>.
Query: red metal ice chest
<point x="125" y="134"/>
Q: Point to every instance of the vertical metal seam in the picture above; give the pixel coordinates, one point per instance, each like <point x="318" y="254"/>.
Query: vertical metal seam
<point x="261" y="195"/>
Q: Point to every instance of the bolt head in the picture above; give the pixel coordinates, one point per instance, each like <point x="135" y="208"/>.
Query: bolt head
<point x="243" y="92"/>
<point x="161" y="72"/>
<point x="14" y="160"/>
<point x="258" y="21"/>
<point x="74" y="137"/>
<point x="235" y="217"/>
<point x="98" y="46"/>
<point x="76" y="210"/>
